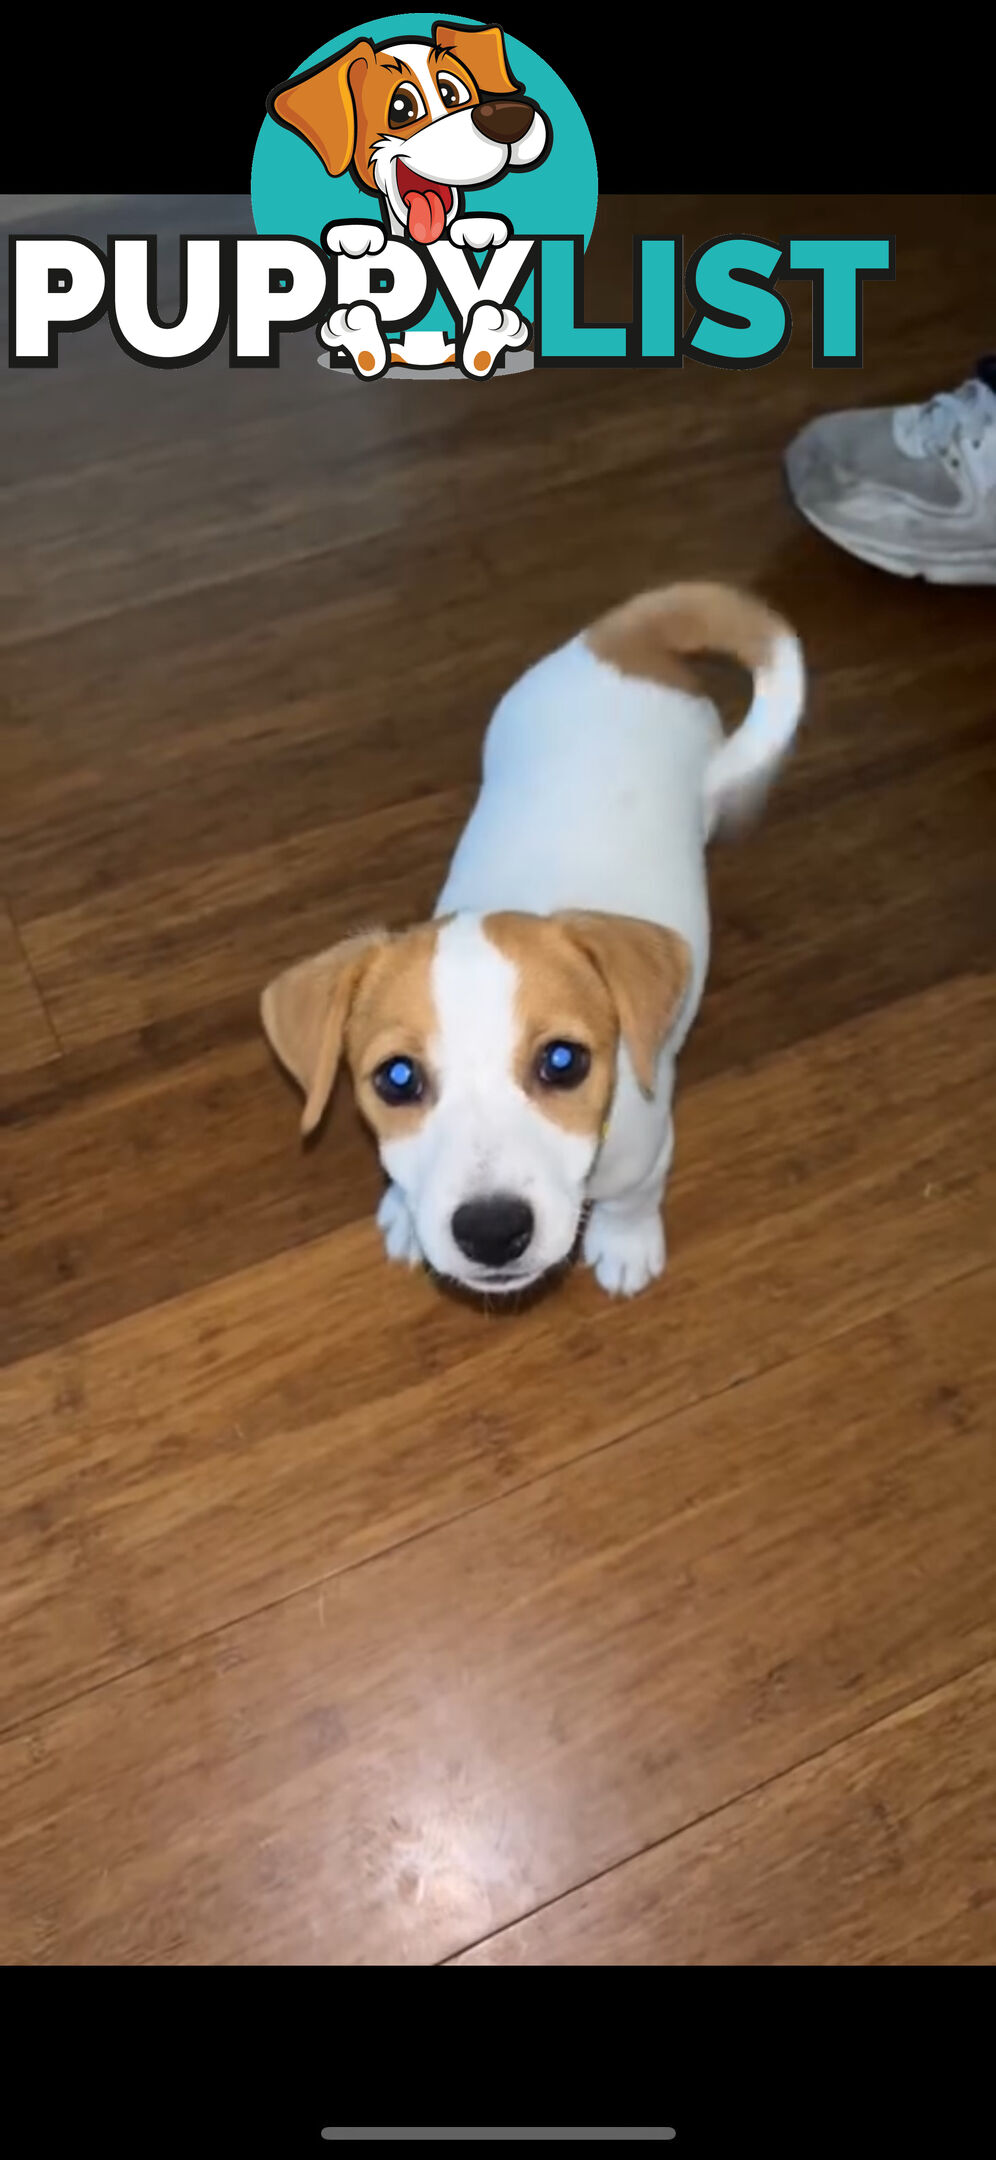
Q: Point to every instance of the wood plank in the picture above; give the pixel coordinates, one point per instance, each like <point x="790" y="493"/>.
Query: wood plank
<point x="299" y="660"/>
<point x="202" y="1144"/>
<point x="245" y="445"/>
<point x="87" y="544"/>
<point x="98" y="399"/>
<point x="284" y="670"/>
<point x="287" y="682"/>
<point x="931" y="317"/>
<point x="105" y="412"/>
<point x="295" y="665"/>
<point x="37" y="209"/>
<point x="26" y="1035"/>
<point x="219" y="1451"/>
<point x="823" y="1867"/>
<point x="419" y="1751"/>
<point x="791" y="950"/>
<point x="173" y="942"/>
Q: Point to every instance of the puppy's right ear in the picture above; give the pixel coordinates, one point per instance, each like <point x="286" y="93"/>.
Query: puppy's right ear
<point x="482" y="52"/>
<point x="320" y="105"/>
<point x="305" y="1010"/>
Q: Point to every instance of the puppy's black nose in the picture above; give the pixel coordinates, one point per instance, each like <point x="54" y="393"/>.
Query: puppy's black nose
<point x="494" y="1230"/>
<point x="506" y="120"/>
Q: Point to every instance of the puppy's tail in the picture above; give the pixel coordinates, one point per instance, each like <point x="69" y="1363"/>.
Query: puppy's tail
<point x="652" y="635"/>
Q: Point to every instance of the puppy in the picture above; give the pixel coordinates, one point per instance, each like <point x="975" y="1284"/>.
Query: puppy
<point x="415" y="121"/>
<point x="516" y="1055"/>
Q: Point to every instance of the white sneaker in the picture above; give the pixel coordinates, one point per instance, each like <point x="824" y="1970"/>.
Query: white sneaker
<point x="910" y="488"/>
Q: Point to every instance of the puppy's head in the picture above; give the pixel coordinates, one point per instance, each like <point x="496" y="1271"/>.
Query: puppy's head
<point x="484" y="1054"/>
<point x="416" y="121"/>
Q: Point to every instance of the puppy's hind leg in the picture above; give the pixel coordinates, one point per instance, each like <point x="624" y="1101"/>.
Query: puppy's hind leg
<point x="490" y="331"/>
<point x="356" y="331"/>
<point x="624" y="1238"/>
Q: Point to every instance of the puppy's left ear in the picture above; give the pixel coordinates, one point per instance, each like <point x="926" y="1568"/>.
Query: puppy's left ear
<point x="304" y="1013"/>
<point x="482" y="53"/>
<point x="320" y="105"/>
<point x="647" y="969"/>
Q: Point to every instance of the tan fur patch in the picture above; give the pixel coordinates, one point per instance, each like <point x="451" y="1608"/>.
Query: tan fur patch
<point x="370" y="998"/>
<point x="480" y="55"/>
<point x="343" y="108"/>
<point x="374" y="92"/>
<point x="631" y="638"/>
<point x="560" y="997"/>
<point x="304" y="1013"/>
<point x="648" y="637"/>
<point x="647" y="968"/>
<point x="393" y="1014"/>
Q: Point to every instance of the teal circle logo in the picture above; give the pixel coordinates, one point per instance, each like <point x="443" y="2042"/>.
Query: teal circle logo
<point x="324" y="153"/>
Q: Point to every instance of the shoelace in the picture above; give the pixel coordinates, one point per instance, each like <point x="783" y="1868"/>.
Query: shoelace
<point x="922" y="429"/>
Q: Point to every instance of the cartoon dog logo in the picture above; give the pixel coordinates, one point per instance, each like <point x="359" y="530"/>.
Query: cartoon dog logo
<point x="417" y="122"/>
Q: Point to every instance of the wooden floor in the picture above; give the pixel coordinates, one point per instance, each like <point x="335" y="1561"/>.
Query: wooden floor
<point x="342" y="1622"/>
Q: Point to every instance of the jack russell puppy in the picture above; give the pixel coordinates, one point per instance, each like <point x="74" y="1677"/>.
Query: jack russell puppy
<point x="516" y="1055"/>
<point x="416" y="121"/>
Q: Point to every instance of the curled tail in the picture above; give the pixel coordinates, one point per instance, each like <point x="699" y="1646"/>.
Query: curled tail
<point x="652" y="635"/>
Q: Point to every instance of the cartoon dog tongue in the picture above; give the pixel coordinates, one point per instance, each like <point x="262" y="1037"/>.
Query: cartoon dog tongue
<point x="426" y="216"/>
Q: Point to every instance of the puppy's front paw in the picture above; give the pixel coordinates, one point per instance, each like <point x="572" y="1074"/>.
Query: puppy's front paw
<point x="394" y="1221"/>
<point x="625" y="1254"/>
<point x="480" y="232"/>
<point x="355" y="239"/>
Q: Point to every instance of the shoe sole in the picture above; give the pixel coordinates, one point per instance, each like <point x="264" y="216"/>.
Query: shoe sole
<point x="971" y="568"/>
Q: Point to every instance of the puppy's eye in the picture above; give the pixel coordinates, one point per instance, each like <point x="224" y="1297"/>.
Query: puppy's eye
<point x="399" y="1080"/>
<point x="452" y="92"/>
<point x="405" y="106"/>
<point x="563" y="1064"/>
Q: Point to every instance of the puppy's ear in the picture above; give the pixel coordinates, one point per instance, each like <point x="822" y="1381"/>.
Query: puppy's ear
<point x="305" y="1010"/>
<point x="647" y="970"/>
<point x="320" y="105"/>
<point x="482" y="53"/>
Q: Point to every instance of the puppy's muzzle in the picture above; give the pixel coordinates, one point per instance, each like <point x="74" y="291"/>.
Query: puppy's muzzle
<point x="504" y="120"/>
<point x="494" y="1231"/>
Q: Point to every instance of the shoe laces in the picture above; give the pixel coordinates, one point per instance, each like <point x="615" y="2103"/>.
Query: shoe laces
<point x="923" y="430"/>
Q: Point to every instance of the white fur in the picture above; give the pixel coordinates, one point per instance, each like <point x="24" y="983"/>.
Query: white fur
<point x="355" y="329"/>
<point x="489" y="231"/>
<point x="739" y="772"/>
<point x="482" y="1134"/>
<point x="599" y="792"/>
<point x="448" y="147"/>
<point x="490" y="331"/>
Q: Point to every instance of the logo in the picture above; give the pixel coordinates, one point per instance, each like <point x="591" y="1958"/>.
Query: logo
<point x="423" y="194"/>
<point x="425" y="157"/>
